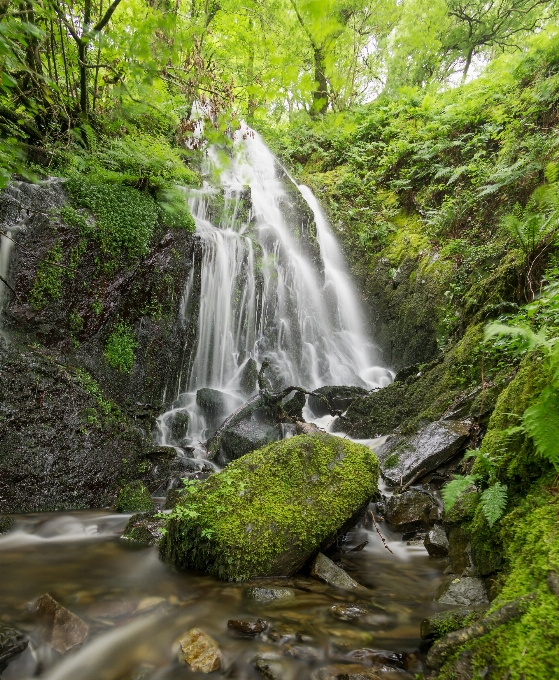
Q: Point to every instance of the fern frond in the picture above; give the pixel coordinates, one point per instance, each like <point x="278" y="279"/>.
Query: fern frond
<point x="528" y="338"/>
<point x="493" y="502"/>
<point x="455" y="488"/>
<point x="541" y="422"/>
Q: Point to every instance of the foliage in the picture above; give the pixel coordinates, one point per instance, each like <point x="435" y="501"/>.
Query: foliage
<point x="121" y="347"/>
<point x="134" y="497"/>
<point x="125" y="217"/>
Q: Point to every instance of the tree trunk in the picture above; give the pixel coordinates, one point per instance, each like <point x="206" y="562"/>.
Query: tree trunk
<point x="467" y="65"/>
<point x="320" y="95"/>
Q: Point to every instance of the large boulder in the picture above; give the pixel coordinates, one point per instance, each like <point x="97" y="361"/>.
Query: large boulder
<point x="404" y="458"/>
<point x="409" y="511"/>
<point x="270" y="511"/>
<point x="215" y="405"/>
<point x="12" y="643"/>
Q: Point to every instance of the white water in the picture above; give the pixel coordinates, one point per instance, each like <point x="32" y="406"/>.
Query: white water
<point x="262" y="296"/>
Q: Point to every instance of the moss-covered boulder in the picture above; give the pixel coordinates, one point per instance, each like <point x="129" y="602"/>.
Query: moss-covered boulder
<point x="134" y="497"/>
<point x="270" y="511"/>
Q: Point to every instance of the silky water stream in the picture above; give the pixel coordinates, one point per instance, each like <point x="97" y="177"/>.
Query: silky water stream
<point x="268" y="288"/>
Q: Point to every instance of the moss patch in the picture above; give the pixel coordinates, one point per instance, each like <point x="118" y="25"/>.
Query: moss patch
<point x="270" y="510"/>
<point x="134" y="497"/>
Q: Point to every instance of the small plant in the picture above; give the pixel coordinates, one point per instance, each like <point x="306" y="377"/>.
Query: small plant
<point x="121" y="347"/>
<point x="48" y="281"/>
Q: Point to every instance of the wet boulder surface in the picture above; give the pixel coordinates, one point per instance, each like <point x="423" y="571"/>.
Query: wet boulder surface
<point x="270" y="511"/>
<point x="12" y="643"/>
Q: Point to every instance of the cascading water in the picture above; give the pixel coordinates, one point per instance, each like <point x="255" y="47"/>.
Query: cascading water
<point x="273" y="286"/>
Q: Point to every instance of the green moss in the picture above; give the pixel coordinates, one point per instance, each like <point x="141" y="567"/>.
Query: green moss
<point x="525" y="648"/>
<point x="48" y="280"/>
<point x="120" y="348"/>
<point x="392" y="461"/>
<point x="134" y="497"/>
<point x="270" y="510"/>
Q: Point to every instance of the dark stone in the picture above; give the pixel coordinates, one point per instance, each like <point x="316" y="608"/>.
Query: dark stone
<point x="409" y="511"/>
<point x="436" y="542"/>
<point x="144" y="528"/>
<point x="404" y="458"/>
<point x="249" y="377"/>
<point x="440" y="624"/>
<point x="292" y="407"/>
<point x="12" y="643"/>
<point x="244" y="437"/>
<point x="213" y="403"/>
<point x="338" y="398"/>
<point x="376" y="656"/>
<point x="324" y="569"/>
<point x="248" y="628"/>
<point x="303" y="652"/>
<point x="465" y="592"/>
<point x="179" y="425"/>
<point x="270" y="666"/>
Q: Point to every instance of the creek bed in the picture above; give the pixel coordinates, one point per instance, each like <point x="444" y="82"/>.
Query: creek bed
<point x="136" y="606"/>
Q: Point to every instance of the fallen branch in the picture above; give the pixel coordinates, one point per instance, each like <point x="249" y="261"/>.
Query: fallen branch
<point x="8" y="285"/>
<point x="449" y="643"/>
<point x="412" y="480"/>
<point x="378" y="532"/>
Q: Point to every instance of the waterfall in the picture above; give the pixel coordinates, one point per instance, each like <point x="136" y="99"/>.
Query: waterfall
<point x="273" y="286"/>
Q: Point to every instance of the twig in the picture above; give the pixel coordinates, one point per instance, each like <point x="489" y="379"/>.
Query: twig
<point x="8" y="285"/>
<point x="412" y="480"/>
<point x="378" y="532"/>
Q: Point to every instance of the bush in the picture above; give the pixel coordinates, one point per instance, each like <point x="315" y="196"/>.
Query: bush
<point x="121" y="347"/>
<point x="134" y="497"/>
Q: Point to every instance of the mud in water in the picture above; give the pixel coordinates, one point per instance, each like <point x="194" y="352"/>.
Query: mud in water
<point x="136" y="606"/>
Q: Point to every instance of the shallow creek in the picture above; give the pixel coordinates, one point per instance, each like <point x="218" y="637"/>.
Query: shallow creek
<point x="136" y="606"/>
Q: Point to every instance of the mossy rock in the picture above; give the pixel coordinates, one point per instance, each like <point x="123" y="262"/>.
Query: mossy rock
<point x="144" y="528"/>
<point x="134" y="497"/>
<point x="440" y="624"/>
<point x="270" y="511"/>
<point x="7" y="523"/>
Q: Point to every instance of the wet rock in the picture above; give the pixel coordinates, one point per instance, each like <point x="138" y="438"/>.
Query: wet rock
<point x="248" y="378"/>
<point x="324" y="569"/>
<point x="6" y="524"/>
<point x="63" y="630"/>
<point x="248" y="628"/>
<point x="144" y="528"/>
<point x="12" y="643"/>
<point x="465" y="592"/>
<point x="276" y="505"/>
<point x="267" y="595"/>
<point x="405" y="458"/>
<point x="199" y="651"/>
<point x="363" y="614"/>
<point x="436" y="542"/>
<point x="244" y="437"/>
<point x="409" y="511"/>
<point x="293" y="405"/>
<point x="438" y="625"/>
<point x="377" y="657"/>
<point x="271" y="666"/>
<point x="179" y="425"/>
<point x="357" y="672"/>
<point x="215" y="404"/>
<point x="134" y="497"/>
<point x="338" y="398"/>
<point x="459" y="550"/>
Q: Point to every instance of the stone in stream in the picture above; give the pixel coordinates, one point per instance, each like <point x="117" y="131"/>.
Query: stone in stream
<point x="267" y="595"/>
<point x="438" y="625"/>
<point x="199" y="651"/>
<point x="249" y="377"/>
<point x="303" y="652"/>
<point x="409" y="511"/>
<point x="63" y="630"/>
<point x="339" y="398"/>
<point x="12" y="643"/>
<point x="324" y="569"/>
<point x="376" y="656"/>
<point x="244" y="437"/>
<point x="179" y="425"/>
<point x="403" y="458"/>
<point x="278" y="507"/>
<point x="214" y="404"/>
<point x="248" y="628"/>
<point x="270" y="666"/>
<point x="465" y="592"/>
<point x="144" y="528"/>
<point x="363" y="614"/>
<point x="436" y="542"/>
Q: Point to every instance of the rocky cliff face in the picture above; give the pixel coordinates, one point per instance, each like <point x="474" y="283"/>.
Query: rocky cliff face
<point x="92" y="348"/>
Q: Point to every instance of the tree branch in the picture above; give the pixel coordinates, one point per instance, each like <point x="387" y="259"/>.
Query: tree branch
<point x="108" y="14"/>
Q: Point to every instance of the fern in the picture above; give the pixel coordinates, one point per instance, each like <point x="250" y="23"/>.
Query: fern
<point x="541" y="422"/>
<point x="493" y="502"/>
<point x="455" y="488"/>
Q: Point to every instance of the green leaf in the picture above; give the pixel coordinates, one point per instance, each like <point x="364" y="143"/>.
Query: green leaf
<point x="493" y="502"/>
<point x="541" y="422"/>
<point x="455" y="488"/>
